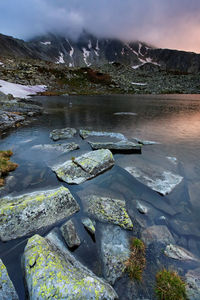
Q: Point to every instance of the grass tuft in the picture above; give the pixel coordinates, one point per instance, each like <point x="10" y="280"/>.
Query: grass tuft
<point x="137" y="261"/>
<point x="169" y="286"/>
<point x="6" y="165"/>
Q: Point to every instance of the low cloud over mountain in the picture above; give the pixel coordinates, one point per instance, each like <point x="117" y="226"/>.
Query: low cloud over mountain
<point x="171" y="23"/>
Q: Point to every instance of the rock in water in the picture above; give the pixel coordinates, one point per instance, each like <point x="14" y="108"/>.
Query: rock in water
<point x="193" y="284"/>
<point x="121" y="147"/>
<point x="108" y="210"/>
<point x="177" y="252"/>
<point x="7" y="290"/>
<point x="70" y="234"/>
<point x="65" y="148"/>
<point x="86" y="133"/>
<point x="159" y="234"/>
<point x="52" y="272"/>
<point x="162" y="183"/>
<point x="115" y="251"/>
<point x="85" y="166"/>
<point x="22" y="215"/>
<point x="89" y="225"/>
<point x="61" y="134"/>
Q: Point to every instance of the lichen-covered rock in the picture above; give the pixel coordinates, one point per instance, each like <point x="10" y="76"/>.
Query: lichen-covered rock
<point x="122" y="146"/>
<point x="157" y="233"/>
<point x="61" y="134"/>
<point x="193" y="284"/>
<point x="177" y="252"/>
<point x="108" y="210"/>
<point x="85" y="166"/>
<point x="7" y="290"/>
<point x="89" y="225"/>
<point x="65" y="148"/>
<point x="141" y="208"/>
<point x="70" y="234"/>
<point x="23" y="214"/>
<point x="86" y="133"/>
<point x="52" y="272"/>
<point x="115" y="251"/>
<point x="9" y="119"/>
<point x="162" y="183"/>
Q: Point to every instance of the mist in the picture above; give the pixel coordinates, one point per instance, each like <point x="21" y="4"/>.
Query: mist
<point x="163" y="23"/>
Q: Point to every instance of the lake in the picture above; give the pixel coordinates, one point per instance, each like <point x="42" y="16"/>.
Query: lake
<point x="172" y="121"/>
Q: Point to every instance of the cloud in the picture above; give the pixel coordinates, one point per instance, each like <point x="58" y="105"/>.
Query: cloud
<point x="163" y="23"/>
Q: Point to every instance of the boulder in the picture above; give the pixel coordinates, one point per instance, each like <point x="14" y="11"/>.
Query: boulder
<point x="65" y="148"/>
<point x="61" y="134"/>
<point x="87" y="133"/>
<point x="9" y="120"/>
<point x="70" y="234"/>
<point x="85" y="166"/>
<point x="193" y="284"/>
<point x="115" y="251"/>
<point x="108" y="210"/>
<point x="24" y="214"/>
<point x="120" y="147"/>
<point x="7" y="290"/>
<point x="52" y="272"/>
<point x="177" y="252"/>
<point x="159" y="234"/>
<point x="162" y="183"/>
<point x="89" y="225"/>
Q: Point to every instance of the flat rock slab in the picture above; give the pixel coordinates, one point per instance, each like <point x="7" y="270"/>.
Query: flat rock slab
<point x="157" y="233"/>
<point x="179" y="253"/>
<point x="52" y="272"/>
<point x="108" y="210"/>
<point x="22" y="215"/>
<point x="8" y="119"/>
<point x="64" y="148"/>
<point x="7" y="290"/>
<point x="115" y="251"/>
<point x="87" y="133"/>
<point x="162" y="183"/>
<point x="122" y="146"/>
<point x="85" y="166"/>
<point x="70" y="234"/>
<point x="193" y="284"/>
<point x="61" y="134"/>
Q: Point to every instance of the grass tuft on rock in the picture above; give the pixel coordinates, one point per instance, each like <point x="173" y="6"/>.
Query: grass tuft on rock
<point x="6" y="165"/>
<point x="170" y="286"/>
<point x="137" y="261"/>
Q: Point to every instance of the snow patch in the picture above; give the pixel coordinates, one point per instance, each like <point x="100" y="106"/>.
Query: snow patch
<point x="138" y="83"/>
<point x="70" y="65"/>
<point x="89" y="44"/>
<point x="46" y="43"/>
<point x="97" y="46"/>
<point x="60" y="60"/>
<point x="86" y="54"/>
<point x="139" y="49"/>
<point x="20" y="91"/>
<point x="1" y="64"/>
<point x="97" y="54"/>
<point x="129" y="47"/>
<point x="125" y="114"/>
<point x="123" y="51"/>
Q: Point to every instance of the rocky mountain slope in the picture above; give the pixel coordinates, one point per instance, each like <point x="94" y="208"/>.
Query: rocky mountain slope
<point x="90" y="51"/>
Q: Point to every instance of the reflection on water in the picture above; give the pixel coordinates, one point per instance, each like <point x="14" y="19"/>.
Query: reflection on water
<point x="173" y="121"/>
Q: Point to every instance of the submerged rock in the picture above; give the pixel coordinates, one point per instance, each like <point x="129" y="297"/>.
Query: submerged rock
<point x="65" y="148"/>
<point x="61" y="134"/>
<point x="70" y="234"/>
<point x="141" y="208"/>
<point x="85" y="166"/>
<point x="89" y="225"/>
<point x="159" y="234"/>
<point x="162" y="183"/>
<point x="145" y="142"/>
<point x="7" y="290"/>
<point x="122" y="146"/>
<point x="115" y="251"/>
<point x="52" y="272"/>
<point x="193" y="284"/>
<point x="177" y="252"/>
<point x="108" y="210"/>
<point x="86" y="133"/>
<point x="22" y="215"/>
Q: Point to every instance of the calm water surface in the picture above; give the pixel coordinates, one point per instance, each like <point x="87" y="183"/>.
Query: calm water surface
<point x="172" y="121"/>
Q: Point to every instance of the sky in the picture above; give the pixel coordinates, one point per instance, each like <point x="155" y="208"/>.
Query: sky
<point x="171" y="24"/>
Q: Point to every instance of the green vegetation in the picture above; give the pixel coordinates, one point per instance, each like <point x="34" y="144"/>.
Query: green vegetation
<point x="137" y="261"/>
<point x="6" y="165"/>
<point x="169" y="286"/>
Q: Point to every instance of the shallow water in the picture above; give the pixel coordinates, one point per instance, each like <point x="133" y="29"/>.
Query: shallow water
<point x="172" y="121"/>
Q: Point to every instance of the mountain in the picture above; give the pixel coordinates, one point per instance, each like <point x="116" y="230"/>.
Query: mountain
<point x="90" y="51"/>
